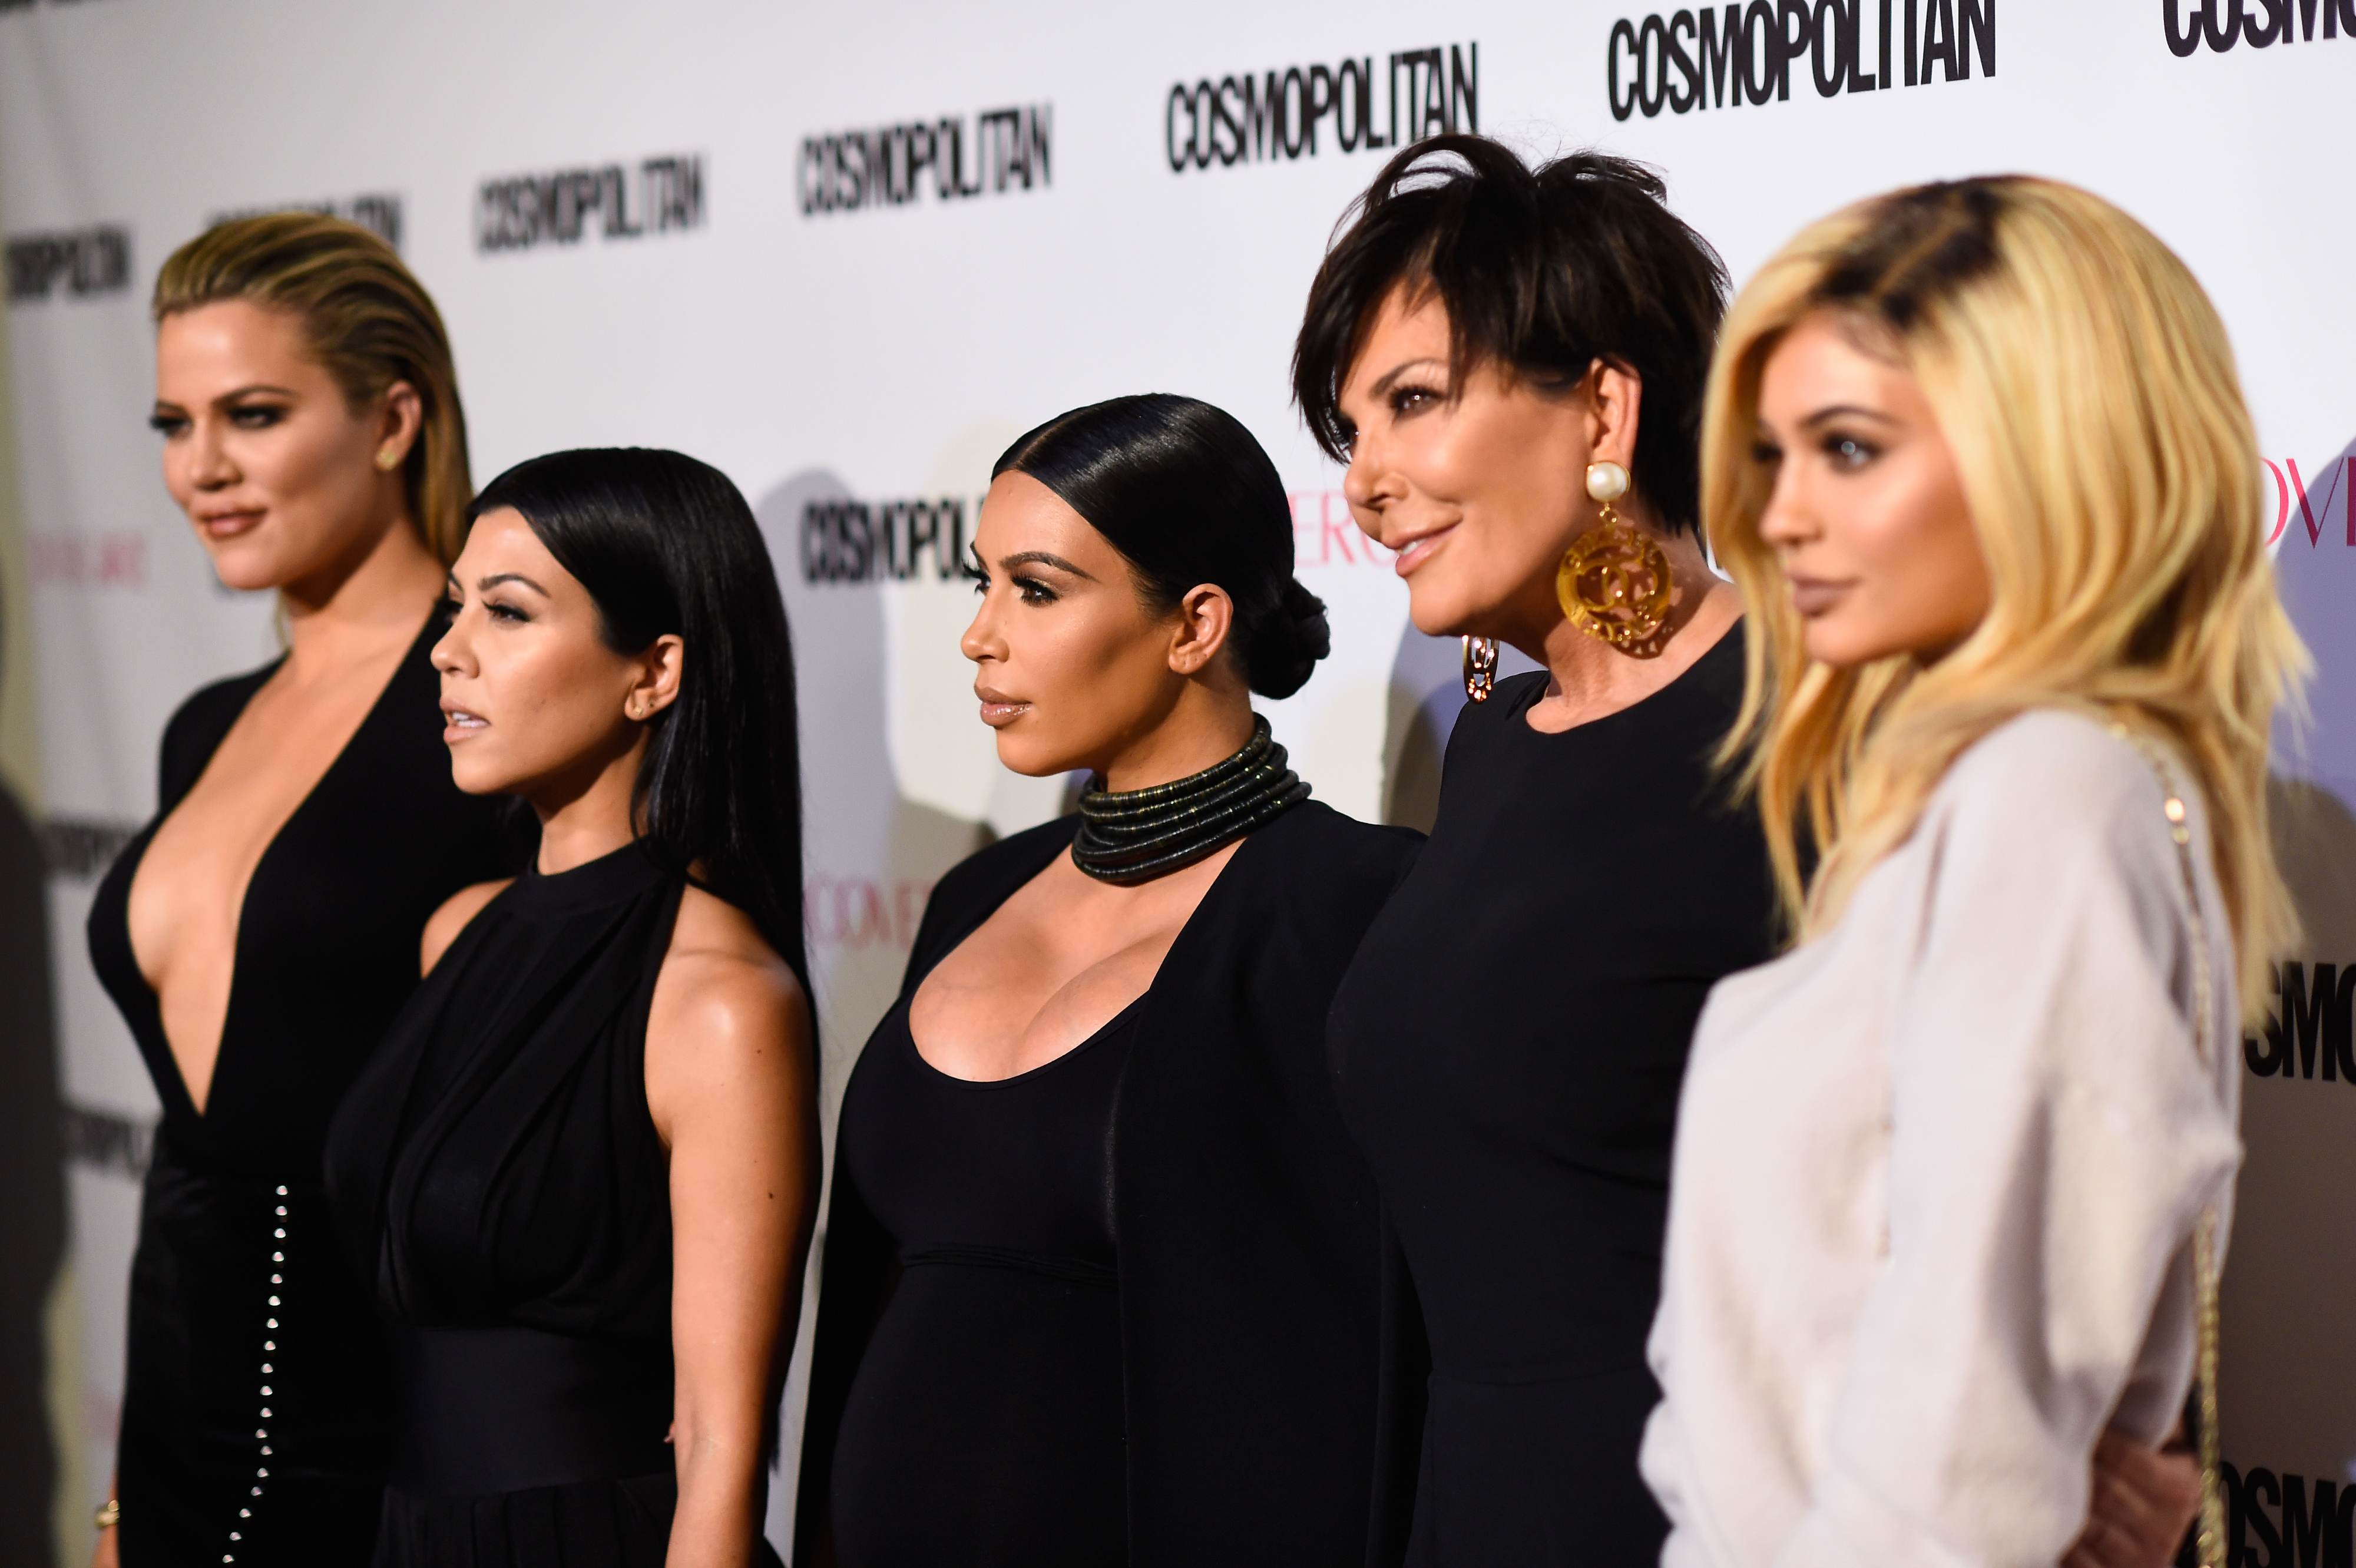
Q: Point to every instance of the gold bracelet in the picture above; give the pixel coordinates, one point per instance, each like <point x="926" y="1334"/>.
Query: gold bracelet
<point x="109" y="1516"/>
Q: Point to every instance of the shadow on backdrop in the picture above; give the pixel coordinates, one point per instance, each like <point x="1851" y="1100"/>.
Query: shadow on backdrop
<point x="869" y="856"/>
<point x="32" y="1192"/>
<point x="1427" y="693"/>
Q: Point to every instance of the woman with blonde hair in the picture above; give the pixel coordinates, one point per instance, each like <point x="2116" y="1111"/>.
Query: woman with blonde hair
<point x="262" y="930"/>
<point x="1953" y="1176"/>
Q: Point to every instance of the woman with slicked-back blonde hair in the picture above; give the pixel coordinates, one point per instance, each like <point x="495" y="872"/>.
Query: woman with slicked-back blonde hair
<point x="262" y="929"/>
<point x="1953" y="1176"/>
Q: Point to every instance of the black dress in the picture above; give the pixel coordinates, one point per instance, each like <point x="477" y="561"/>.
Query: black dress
<point x="1134" y="1306"/>
<point x="254" y="1408"/>
<point x="497" y="1174"/>
<point x="1002" y="1341"/>
<point x="1508" y="1046"/>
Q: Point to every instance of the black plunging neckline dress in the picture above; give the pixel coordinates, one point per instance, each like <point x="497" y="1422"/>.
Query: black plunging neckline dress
<point x="254" y="1409"/>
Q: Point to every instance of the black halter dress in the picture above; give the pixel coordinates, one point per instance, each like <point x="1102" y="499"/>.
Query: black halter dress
<point x="497" y="1174"/>
<point x="254" y="1407"/>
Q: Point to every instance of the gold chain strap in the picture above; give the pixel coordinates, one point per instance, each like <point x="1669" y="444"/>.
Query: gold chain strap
<point x="2209" y="1544"/>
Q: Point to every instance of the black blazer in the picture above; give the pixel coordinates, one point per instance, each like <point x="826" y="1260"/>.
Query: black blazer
<point x="1274" y="1362"/>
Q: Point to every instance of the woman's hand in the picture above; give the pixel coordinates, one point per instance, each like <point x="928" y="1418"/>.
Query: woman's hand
<point x="2143" y="1500"/>
<point x="730" y="1082"/>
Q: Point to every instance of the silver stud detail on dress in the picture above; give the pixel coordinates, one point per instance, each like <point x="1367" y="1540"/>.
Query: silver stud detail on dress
<point x="269" y="1347"/>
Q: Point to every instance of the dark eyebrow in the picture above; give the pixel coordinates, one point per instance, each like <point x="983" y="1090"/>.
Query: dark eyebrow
<point x="1395" y="371"/>
<point x="258" y="387"/>
<point x="484" y="584"/>
<point x="1040" y="558"/>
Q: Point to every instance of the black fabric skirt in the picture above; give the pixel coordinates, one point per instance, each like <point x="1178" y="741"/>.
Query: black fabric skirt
<point x="256" y="1406"/>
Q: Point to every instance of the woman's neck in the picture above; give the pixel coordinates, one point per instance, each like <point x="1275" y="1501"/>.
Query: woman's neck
<point x="1589" y="678"/>
<point x="1205" y="727"/>
<point x="588" y="811"/>
<point x="349" y="608"/>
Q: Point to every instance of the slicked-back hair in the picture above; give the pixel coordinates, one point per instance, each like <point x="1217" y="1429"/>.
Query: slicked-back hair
<point x="666" y="544"/>
<point x="1543" y="271"/>
<point x="367" y="320"/>
<point x="1188" y="497"/>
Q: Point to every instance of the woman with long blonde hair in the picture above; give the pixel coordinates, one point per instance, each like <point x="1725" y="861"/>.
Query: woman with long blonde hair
<point x="261" y="932"/>
<point x="1953" y="1178"/>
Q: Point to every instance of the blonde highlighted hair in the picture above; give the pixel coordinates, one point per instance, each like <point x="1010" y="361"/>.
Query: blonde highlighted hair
<point x="366" y="319"/>
<point x="2086" y="386"/>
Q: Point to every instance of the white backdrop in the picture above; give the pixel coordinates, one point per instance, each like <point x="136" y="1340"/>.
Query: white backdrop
<point x="847" y="252"/>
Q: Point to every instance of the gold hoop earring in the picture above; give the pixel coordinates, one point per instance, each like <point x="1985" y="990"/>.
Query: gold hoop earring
<point x="1480" y="666"/>
<point x="1613" y="582"/>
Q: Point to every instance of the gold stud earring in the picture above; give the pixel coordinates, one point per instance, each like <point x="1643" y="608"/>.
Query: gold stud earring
<point x="387" y="457"/>
<point x="1613" y="582"/>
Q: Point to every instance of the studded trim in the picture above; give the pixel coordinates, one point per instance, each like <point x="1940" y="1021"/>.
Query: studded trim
<point x="270" y="1321"/>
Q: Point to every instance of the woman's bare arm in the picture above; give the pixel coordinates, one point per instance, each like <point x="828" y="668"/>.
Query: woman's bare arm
<point x="731" y="1082"/>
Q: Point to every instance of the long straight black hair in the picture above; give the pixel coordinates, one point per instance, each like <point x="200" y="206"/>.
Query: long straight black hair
<point x="666" y="544"/>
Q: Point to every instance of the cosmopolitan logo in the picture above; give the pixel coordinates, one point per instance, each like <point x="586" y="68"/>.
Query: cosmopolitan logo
<point x="1253" y="118"/>
<point x="956" y="158"/>
<point x="112" y="560"/>
<point x="870" y="541"/>
<point x="86" y="262"/>
<point x="2296" y="1524"/>
<point x="1721" y="59"/>
<point x="660" y="196"/>
<point x="2314" y="511"/>
<point x="378" y="211"/>
<point x="858" y="912"/>
<point x="2222" y="24"/>
<point x="2308" y="1027"/>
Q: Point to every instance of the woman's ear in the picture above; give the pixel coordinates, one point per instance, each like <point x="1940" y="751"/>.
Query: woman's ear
<point x="403" y="414"/>
<point x="1205" y="616"/>
<point x="1615" y="399"/>
<point x="657" y="686"/>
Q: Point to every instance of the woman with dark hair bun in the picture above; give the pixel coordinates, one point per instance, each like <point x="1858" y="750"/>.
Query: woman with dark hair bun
<point x="1105" y="1281"/>
<point x="581" y="1168"/>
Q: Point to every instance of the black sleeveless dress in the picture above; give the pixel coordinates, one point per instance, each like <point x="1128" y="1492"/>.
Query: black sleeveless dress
<point x="254" y="1408"/>
<point x="985" y="1424"/>
<point x="1508" y="1046"/>
<point x="497" y="1175"/>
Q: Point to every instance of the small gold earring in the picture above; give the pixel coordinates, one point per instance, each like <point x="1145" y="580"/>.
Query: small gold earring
<point x="1479" y="668"/>
<point x="1613" y="582"/>
<point x="388" y="458"/>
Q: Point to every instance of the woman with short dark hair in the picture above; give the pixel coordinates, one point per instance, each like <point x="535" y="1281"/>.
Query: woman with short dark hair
<point x="1104" y="1279"/>
<point x="580" y="1172"/>
<point x="1511" y="361"/>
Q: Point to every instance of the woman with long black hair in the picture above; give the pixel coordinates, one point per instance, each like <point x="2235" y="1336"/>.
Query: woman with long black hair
<point x="581" y="1171"/>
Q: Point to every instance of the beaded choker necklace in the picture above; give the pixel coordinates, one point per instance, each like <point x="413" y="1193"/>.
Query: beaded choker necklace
<point x="1136" y="835"/>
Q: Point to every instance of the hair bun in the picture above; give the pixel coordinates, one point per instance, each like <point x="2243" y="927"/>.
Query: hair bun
<point x="1288" y="643"/>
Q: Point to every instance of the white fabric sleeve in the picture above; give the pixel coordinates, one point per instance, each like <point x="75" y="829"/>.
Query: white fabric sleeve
<point x="2053" y="1138"/>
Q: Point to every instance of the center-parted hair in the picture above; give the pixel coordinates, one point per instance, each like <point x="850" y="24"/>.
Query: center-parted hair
<point x="1543" y="271"/>
<point x="666" y="544"/>
<point x="2087" y="390"/>
<point x="1186" y="495"/>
